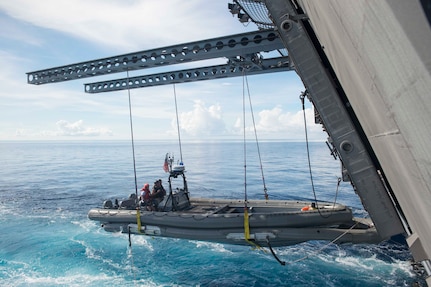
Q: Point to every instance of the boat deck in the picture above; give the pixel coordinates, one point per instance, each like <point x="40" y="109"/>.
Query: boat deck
<point x="221" y="206"/>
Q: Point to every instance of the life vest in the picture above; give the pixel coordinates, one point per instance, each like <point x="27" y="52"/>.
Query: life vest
<point x="305" y="208"/>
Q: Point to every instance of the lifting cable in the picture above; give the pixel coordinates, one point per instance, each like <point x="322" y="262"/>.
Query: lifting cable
<point x="130" y="254"/>
<point x="138" y="213"/>
<point x="247" y="236"/>
<point x="317" y="251"/>
<point x="302" y="98"/>
<point x="133" y="142"/>
<point x="246" y="218"/>
<point x="178" y="124"/>
<point x="314" y="253"/>
<point x="257" y="141"/>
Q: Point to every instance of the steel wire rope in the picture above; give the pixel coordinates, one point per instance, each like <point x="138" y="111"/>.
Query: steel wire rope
<point x="133" y="141"/>
<point x="265" y="190"/>
<point x="247" y="236"/>
<point x="246" y="218"/>
<point x="320" y="249"/>
<point x="130" y="253"/>
<point x="302" y="98"/>
<point x="178" y="124"/>
<point x="136" y="183"/>
<point x="244" y="139"/>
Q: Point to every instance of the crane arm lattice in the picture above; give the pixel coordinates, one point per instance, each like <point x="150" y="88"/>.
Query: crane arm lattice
<point x="231" y="47"/>
<point x="198" y="74"/>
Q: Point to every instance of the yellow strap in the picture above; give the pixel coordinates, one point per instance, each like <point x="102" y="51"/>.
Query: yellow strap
<point x="247" y="230"/>
<point x="138" y="219"/>
<point x="246" y="225"/>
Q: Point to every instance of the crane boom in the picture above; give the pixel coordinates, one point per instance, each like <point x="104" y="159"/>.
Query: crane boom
<point x="190" y="75"/>
<point x="234" y="48"/>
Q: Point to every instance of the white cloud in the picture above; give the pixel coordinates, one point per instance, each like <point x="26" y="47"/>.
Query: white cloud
<point x="65" y="129"/>
<point x="16" y="32"/>
<point x="79" y="129"/>
<point x="202" y="121"/>
<point x="126" y="25"/>
<point x="209" y="122"/>
<point x="275" y="123"/>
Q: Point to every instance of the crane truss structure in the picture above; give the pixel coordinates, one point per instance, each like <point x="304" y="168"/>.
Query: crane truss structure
<point x="242" y="51"/>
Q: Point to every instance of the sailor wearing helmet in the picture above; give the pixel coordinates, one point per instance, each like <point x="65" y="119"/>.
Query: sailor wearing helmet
<point x="145" y="195"/>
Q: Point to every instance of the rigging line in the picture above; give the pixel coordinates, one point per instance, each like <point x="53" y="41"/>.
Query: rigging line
<point x="325" y="246"/>
<point x="244" y="138"/>
<point x="257" y="142"/>
<point x="314" y="253"/>
<point x="336" y="192"/>
<point x="247" y="236"/>
<point x="335" y="200"/>
<point x="178" y="124"/>
<point x="130" y="254"/>
<point x="273" y="253"/>
<point x="302" y="98"/>
<point x="133" y="141"/>
<point x="246" y="216"/>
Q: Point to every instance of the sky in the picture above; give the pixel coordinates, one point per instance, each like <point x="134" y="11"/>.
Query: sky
<point x="36" y="35"/>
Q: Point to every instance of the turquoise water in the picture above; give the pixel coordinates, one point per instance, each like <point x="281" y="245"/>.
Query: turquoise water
<point x="47" y="188"/>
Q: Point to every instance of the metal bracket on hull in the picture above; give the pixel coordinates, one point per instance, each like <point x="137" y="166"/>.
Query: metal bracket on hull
<point x="259" y="236"/>
<point x="145" y="229"/>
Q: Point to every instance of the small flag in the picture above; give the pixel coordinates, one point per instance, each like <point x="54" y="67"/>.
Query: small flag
<point x="165" y="164"/>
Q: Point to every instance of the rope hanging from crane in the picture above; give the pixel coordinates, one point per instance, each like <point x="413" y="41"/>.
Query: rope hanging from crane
<point x="247" y="235"/>
<point x="302" y="98"/>
<point x="265" y="190"/>
<point x="246" y="217"/>
<point x="178" y="124"/>
<point x="138" y="212"/>
<point x="133" y="142"/>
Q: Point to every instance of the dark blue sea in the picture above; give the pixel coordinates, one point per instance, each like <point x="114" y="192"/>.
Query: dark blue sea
<point x="46" y="239"/>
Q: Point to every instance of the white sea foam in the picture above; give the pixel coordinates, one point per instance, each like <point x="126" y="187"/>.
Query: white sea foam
<point x="24" y="274"/>
<point x="142" y="240"/>
<point x="78" y="280"/>
<point x="98" y="255"/>
<point x="85" y="224"/>
<point x="218" y="247"/>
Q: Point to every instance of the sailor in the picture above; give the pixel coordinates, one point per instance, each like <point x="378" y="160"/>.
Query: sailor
<point x="145" y="195"/>
<point x="158" y="193"/>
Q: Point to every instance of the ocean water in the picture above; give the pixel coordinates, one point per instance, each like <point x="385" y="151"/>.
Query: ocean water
<point x="46" y="239"/>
